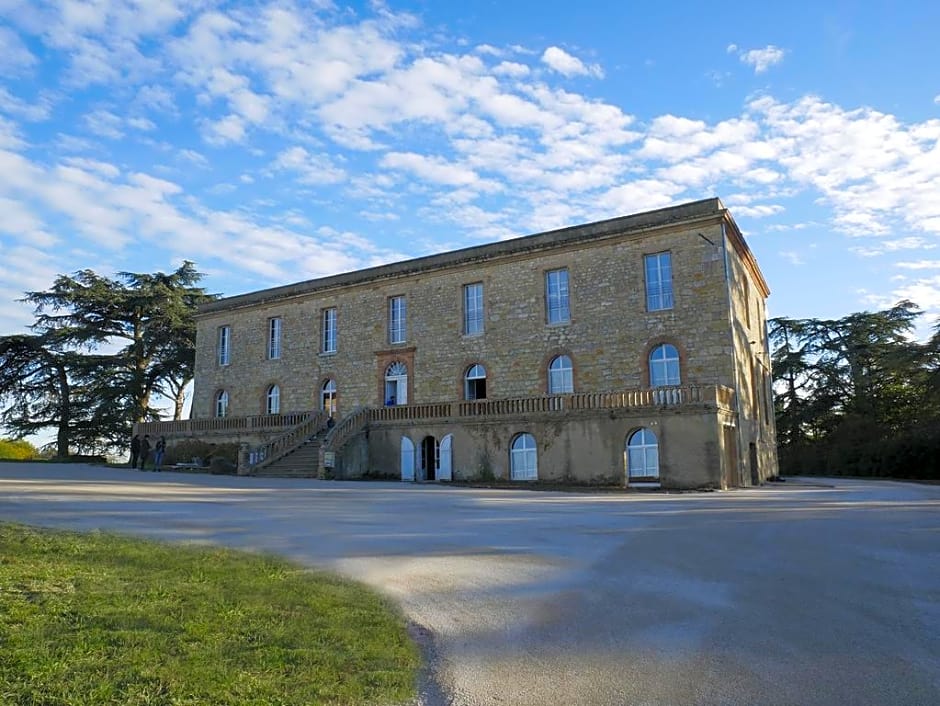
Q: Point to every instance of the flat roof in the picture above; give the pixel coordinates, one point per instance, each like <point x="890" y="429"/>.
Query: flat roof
<point x="694" y="210"/>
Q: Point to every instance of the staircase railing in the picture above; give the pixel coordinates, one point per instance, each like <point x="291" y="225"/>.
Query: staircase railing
<point x="268" y="453"/>
<point x="351" y="425"/>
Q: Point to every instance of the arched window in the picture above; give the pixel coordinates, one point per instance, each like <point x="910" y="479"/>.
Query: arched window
<point x="523" y="458"/>
<point x="396" y="384"/>
<point x="328" y="397"/>
<point x="273" y="400"/>
<point x="664" y="366"/>
<point x="642" y="455"/>
<point x="474" y="383"/>
<point x="221" y="404"/>
<point x="560" y="376"/>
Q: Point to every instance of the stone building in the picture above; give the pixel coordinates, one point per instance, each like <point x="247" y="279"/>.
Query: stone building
<point x="628" y="351"/>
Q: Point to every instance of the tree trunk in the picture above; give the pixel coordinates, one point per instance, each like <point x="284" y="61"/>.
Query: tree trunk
<point x="65" y="418"/>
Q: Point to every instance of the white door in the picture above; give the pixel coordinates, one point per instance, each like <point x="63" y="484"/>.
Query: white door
<point x="407" y="459"/>
<point x="444" y="471"/>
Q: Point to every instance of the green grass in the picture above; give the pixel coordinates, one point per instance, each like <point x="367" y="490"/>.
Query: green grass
<point x="101" y="619"/>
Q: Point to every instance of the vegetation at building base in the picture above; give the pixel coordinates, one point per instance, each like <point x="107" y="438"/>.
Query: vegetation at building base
<point x="857" y="395"/>
<point x="99" y="619"/>
<point x="100" y="352"/>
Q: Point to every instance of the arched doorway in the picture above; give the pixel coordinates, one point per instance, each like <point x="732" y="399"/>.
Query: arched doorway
<point x="642" y="458"/>
<point x="430" y="458"/>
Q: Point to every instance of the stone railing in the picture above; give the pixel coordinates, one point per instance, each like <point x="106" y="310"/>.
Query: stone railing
<point x="261" y="456"/>
<point x="351" y="425"/>
<point x="300" y="426"/>
<point x="654" y="397"/>
<point x="262" y="422"/>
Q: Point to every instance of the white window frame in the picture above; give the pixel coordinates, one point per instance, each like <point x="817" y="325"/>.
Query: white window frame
<point x="397" y="319"/>
<point x="396" y="383"/>
<point x="561" y="375"/>
<point x="225" y="340"/>
<point x="275" y="328"/>
<point x="474" y="372"/>
<point x="473" y="311"/>
<point x="657" y="270"/>
<point x="221" y="404"/>
<point x="523" y="458"/>
<point x="557" y="296"/>
<point x="329" y="331"/>
<point x="642" y="454"/>
<point x="273" y="400"/>
<point x="665" y="366"/>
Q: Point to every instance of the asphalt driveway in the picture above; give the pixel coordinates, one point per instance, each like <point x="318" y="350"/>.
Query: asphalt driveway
<point x="791" y="594"/>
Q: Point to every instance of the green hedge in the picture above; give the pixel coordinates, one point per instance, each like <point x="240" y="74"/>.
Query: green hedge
<point x="855" y="451"/>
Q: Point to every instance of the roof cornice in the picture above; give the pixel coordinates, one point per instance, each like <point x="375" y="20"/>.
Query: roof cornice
<point x="599" y="230"/>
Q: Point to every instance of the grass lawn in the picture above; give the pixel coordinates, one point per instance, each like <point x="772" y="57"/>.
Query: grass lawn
<point x="101" y="619"/>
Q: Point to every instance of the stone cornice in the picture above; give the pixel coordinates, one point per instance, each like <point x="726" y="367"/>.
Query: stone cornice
<point x="549" y="240"/>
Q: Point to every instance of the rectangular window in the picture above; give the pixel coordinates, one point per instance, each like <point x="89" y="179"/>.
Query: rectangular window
<point x="473" y="308"/>
<point x="556" y="296"/>
<point x="747" y="302"/>
<point x="274" y="338"/>
<point x="225" y="336"/>
<point x="397" y="319"/>
<point x="658" y="281"/>
<point x="329" y="331"/>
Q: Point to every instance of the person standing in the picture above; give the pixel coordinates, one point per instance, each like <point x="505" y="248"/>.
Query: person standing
<point x="144" y="451"/>
<point x="158" y="452"/>
<point x="135" y="450"/>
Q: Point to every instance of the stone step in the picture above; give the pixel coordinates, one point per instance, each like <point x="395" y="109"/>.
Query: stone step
<point x="302" y="462"/>
<point x="287" y="473"/>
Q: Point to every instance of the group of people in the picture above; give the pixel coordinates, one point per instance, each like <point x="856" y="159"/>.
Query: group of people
<point x="140" y="451"/>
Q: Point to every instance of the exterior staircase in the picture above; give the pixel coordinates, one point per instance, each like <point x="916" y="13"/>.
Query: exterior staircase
<point x="296" y="453"/>
<point x="301" y="462"/>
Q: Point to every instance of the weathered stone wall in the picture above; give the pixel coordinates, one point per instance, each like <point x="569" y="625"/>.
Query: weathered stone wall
<point x="717" y="324"/>
<point x="581" y="448"/>
<point x="748" y="330"/>
<point x="608" y="338"/>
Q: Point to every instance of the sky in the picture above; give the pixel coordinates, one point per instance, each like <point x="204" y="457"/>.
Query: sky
<point x="276" y="141"/>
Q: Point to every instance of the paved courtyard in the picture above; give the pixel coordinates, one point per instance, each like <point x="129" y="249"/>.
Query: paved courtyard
<point x="791" y="594"/>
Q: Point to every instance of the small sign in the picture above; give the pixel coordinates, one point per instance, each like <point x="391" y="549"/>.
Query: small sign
<point x="329" y="459"/>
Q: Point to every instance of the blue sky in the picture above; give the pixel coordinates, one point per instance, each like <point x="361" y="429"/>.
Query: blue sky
<point x="272" y="142"/>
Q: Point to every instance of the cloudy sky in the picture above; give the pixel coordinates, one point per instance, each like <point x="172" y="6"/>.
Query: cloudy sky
<point x="276" y="141"/>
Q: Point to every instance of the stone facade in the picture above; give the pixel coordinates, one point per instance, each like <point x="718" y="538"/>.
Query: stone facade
<point x="716" y="323"/>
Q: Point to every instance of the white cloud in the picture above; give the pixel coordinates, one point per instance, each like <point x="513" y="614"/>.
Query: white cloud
<point x="919" y="265"/>
<point x="388" y="123"/>
<point x="231" y="128"/>
<point x="431" y="169"/>
<point x="141" y="124"/>
<point x="568" y="65"/>
<point x="15" y="59"/>
<point x="758" y="211"/>
<point x="194" y="157"/>
<point x="104" y="124"/>
<point x="924" y="292"/>
<point x="760" y="59"/>
<point x="13" y="105"/>
<point x="511" y="68"/>
<point x="310" y="168"/>
<point x="792" y="256"/>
